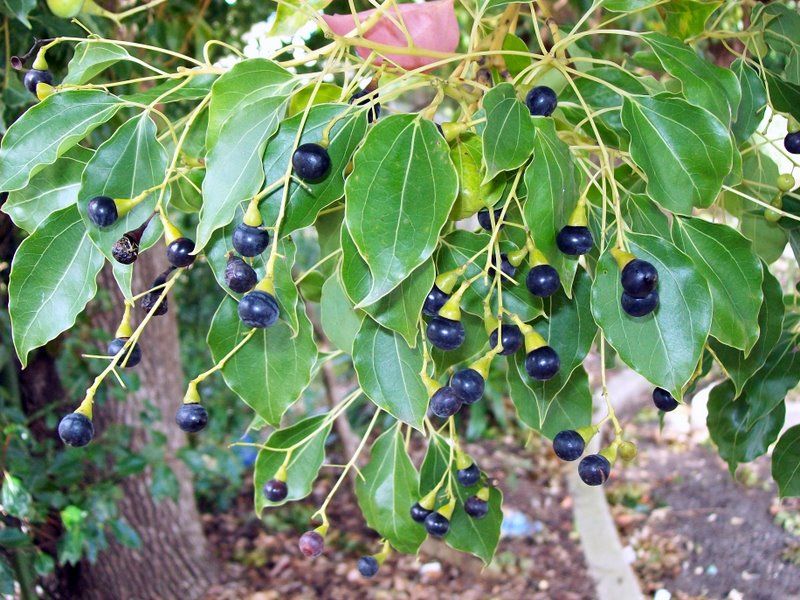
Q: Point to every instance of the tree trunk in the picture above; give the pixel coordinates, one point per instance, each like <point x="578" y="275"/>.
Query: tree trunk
<point x="174" y="560"/>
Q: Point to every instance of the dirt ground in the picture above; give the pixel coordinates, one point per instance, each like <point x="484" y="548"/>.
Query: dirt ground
<point x="688" y="528"/>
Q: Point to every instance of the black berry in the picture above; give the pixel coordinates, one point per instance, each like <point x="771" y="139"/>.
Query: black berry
<point x="568" y="445"/>
<point x="469" y="385"/>
<point x="102" y="211"/>
<point x="639" y="278"/>
<point x="594" y="469"/>
<point x="311" y="544"/>
<point x="476" y="508"/>
<point x="485" y="220"/>
<point x="76" y="430"/>
<point x="511" y="339"/>
<point x="311" y="162"/>
<point x="543" y="363"/>
<point x="792" y="142"/>
<point x="418" y="513"/>
<point x="258" y="309"/>
<point x="275" y="490"/>
<point x="125" y="250"/>
<point x="36" y="76"/>
<point x="179" y="252"/>
<point x="368" y="566"/>
<point x="542" y="281"/>
<point x="149" y="300"/>
<point x="191" y="417"/>
<point x="250" y="241"/>
<point x="505" y="266"/>
<point x="541" y="101"/>
<point x="664" y="400"/>
<point x="434" y="301"/>
<point x="445" y="402"/>
<point x="574" y="240"/>
<point x="445" y="334"/>
<point x="130" y="356"/>
<point x="365" y="97"/>
<point x="437" y="524"/>
<point x="469" y="476"/>
<point x="239" y="276"/>
<point x="639" y="307"/>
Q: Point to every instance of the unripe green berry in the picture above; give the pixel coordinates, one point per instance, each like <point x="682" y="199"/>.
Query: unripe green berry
<point x="785" y="182"/>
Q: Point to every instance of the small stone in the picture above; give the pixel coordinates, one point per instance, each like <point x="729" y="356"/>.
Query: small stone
<point x="430" y="572"/>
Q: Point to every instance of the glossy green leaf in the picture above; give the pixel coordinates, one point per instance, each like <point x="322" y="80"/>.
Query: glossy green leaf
<point x="340" y="321"/>
<point x="754" y="101"/>
<point x="291" y="15"/>
<point x="388" y="371"/>
<point x="53" y="277"/>
<point x="473" y="195"/>
<point x="769" y="239"/>
<point x="785" y="461"/>
<point x="406" y="161"/>
<point x="21" y="9"/>
<point x="509" y="132"/>
<point x="388" y="489"/>
<point x="725" y="258"/>
<point x="175" y="90"/>
<point x="301" y="472"/>
<point x="515" y="63"/>
<point x="627" y="5"/>
<point x="48" y="130"/>
<point x="270" y="372"/>
<point x="92" y="58"/>
<point x="51" y="189"/>
<point x="687" y="18"/>
<point x="644" y="216"/>
<point x="664" y="346"/>
<point x="325" y="92"/>
<point x="684" y="150"/>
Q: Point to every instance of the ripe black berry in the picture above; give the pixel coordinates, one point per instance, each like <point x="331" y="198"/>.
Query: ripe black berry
<point x="541" y="101"/>
<point x="311" y="162"/>
<point x="543" y="363"/>
<point x="275" y="490"/>
<point x="239" y="276"/>
<point x="469" y="476"/>
<point x="179" y="252"/>
<point x="574" y="240"/>
<point x="250" y="241"/>
<point x="485" y="220"/>
<point x="130" y="356"/>
<point x="792" y="142"/>
<point x="445" y="334"/>
<point x="311" y="544"/>
<point x="594" y="469"/>
<point x="258" y="309"/>
<point x="372" y="96"/>
<point x="368" y="566"/>
<point x="125" y="250"/>
<point x="418" y="513"/>
<point x="568" y="445"/>
<point x="505" y="266"/>
<point x="102" y="211"/>
<point x="542" y="281"/>
<point x="639" y="307"/>
<point x="476" y="508"/>
<point x="445" y="402"/>
<point x="469" y="385"/>
<point x="434" y="301"/>
<point x="437" y="524"/>
<point x="664" y="400"/>
<point x="511" y="340"/>
<point x="148" y="301"/>
<point x="76" y="430"/>
<point x="639" y="278"/>
<point x="36" y="76"/>
<point x="191" y="417"/>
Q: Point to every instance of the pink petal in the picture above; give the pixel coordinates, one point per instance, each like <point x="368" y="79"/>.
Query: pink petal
<point x="432" y="26"/>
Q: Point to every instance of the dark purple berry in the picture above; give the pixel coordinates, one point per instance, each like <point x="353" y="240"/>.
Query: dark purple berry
<point x="542" y="281"/>
<point x="574" y="240"/>
<point x="191" y="417"/>
<point x="130" y="356"/>
<point x="36" y="76"/>
<point x="76" y="429"/>
<point x="276" y="490"/>
<point x="639" y="278"/>
<point x="239" y="276"/>
<point x="365" y="97"/>
<point x="511" y="339"/>
<point x="541" y="101"/>
<point x="311" y="544"/>
<point x="639" y="307"/>
<point x="445" y="334"/>
<point x="664" y="400"/>
<point x="505" y="266"/>
<point x="594" y="469"/>
<point x="418" y="513"/>
<point x="476" y="508"/>
<point x="250" y="241"/>
<point x="445" y="402"/>
<point x="485" y="219"/>
<point x="368" y="566"/>
<point x="437" y="524"/>
<point x="102" y="211"/>
<point x="568" y="445"/>
<point x="311" y="162"/>
<point x="543" y="363"/>
<point x="434" y="301"/>
<point x="258" y="309"/>
<point x="792" y="142"/>
<point x="469" y="385"/>
<point x="179" y="252"/>
<point x="125" y="250"/>
<point x="469" y="476"/>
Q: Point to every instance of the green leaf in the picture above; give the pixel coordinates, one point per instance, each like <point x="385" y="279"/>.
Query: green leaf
<point x="305" y="202"/>
<point x="52" y="278"/>
<point x="552" y="183"/>
<point x="644" y="215"/>
<point x="509" y="132"/>
<point x="739" y="366"/>
<point x="754" y="101"/>
<point x="387" y="490"/>
<point x="340" y="321"/>
<point x="769" y="239"/>
<point x="51" y="189"/>
<point x="7" y="586"/>
<point x="46" y="131"/>
<point x="169" y="91"/>
<point x="687" y="18"/>
<point x="131" y="161"/>
<point x="293" y="14"/>
<point x="684" y="150"/>
<point x="666" y="345"/>
<point x="270" y="372"/>
<point x="785" y="461"/>
<point x="388" y="371"/>
<point x="307" y="457"/>
<point x="17" y="501"/>
<point x="733" y="272"/>
<point x="92" y="58"/>
<point x="627" y="5"/>
<point x="515" y="63"/>
<point x="325" y="92"/>
<point x="21" y="9"/>
<point x="739" y="437"/>
<point x="407" y="162"/>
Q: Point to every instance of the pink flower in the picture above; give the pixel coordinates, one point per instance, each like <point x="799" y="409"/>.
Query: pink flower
<point x="431" y="25"/>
